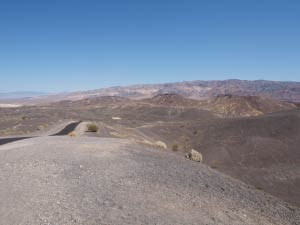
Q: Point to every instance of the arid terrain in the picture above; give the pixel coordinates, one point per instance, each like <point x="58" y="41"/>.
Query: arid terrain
<point x="250" y="147"/>
<point x="200" y="90"/>
<point x="85" y="180"/>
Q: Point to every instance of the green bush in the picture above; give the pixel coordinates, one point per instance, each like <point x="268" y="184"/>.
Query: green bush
<point x="91" y="127"/>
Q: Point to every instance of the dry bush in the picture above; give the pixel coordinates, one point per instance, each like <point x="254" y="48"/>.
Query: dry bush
<point x="214" y="164"/>
<point x="91" y="127"/>
<point x="175" y="147"/>
<point x="258" y="188"/>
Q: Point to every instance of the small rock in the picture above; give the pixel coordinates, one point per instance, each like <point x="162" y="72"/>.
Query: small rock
<point x="194" y="155"/>
<point x="161" y="144"/>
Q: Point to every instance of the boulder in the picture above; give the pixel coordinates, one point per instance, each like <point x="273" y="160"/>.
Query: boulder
<point x="194" y="155"/>
<point x="161" y="144"/>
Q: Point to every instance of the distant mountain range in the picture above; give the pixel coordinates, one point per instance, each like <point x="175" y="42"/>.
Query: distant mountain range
<point x="200" y="90"/>
<point x="21" y="94"/>
<point x="288" y="91"/>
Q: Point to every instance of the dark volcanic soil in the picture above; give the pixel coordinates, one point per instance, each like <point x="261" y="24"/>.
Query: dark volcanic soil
<point x="85" y="180"/>
<point x="261" y="151"/>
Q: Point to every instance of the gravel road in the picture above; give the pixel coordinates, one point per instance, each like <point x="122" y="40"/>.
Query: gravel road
<point x="84" y="180"/>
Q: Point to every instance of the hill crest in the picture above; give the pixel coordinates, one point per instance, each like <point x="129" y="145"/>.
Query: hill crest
<point x="245" y="106"/>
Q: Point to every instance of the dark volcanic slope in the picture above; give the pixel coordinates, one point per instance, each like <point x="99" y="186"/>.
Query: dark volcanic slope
<point x="262" y="151"/>
<point x="133" y="113"/>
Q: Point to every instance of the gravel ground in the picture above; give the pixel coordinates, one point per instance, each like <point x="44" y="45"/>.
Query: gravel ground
<point x="106" y="181"/>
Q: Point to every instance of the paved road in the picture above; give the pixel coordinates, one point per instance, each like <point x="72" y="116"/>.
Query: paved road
<point x="68" y="129"/>
<point x="65" y="131"/>
<point x="106" y="181"/>
<point x="8" y="140"/>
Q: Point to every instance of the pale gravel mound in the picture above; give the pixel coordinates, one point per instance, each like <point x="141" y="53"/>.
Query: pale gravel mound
<point x="84" y="180"/>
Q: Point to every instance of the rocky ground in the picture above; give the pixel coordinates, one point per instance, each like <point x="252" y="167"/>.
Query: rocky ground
<point x="86" y="180"/>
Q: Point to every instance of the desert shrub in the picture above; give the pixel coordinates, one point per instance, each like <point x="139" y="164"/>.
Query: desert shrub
<point x="91" y="127"/>
<point x="41" y="127"/>
<point x="214" y="164"/>
<point x="258" y="188"/>
<point x="175" y="147"/>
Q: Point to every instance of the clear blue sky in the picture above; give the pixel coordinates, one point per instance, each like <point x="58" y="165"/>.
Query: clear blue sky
<point x="61" y="45"/>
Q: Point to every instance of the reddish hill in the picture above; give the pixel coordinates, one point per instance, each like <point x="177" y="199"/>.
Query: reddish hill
<point x="224" y="105"/>
<point x="173" y="100"/>
<point x="94" y="102"/>
<point x="236" y="106"/>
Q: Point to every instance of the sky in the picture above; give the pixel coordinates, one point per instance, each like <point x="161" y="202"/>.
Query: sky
<point x="68" y="45"/>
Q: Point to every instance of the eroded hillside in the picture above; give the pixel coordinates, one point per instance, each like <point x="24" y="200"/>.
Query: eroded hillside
<point x="259" y="150"/>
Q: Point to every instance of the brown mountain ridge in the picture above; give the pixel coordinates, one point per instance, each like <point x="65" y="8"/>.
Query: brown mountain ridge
<point x="224" y="105"/>
<point x="200" y="90"/>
